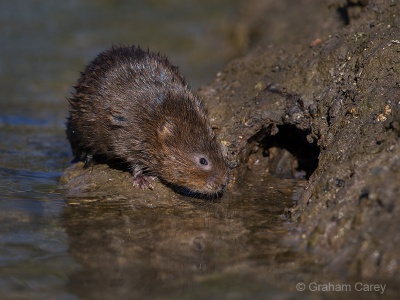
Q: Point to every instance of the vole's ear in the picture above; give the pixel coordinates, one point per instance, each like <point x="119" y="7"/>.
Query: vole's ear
<point x="117" y="118"/>
<point x="118" y="121"/>
<point x="165" y="130"/>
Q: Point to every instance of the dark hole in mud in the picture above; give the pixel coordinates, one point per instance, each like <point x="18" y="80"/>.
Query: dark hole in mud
<point x="291" y="144"/>
<point x="350" y="10"/>
<point x="344" y="15"/>
<point x="289" y="153"/>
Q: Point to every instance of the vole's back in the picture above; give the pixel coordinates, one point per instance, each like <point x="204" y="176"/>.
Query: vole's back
<point x="122" y="84"/>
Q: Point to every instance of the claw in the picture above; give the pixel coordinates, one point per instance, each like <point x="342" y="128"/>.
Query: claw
<point x="142" y="182"/>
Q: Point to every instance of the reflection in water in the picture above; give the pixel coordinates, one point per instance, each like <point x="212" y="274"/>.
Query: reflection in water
<point x="135" y="252"/>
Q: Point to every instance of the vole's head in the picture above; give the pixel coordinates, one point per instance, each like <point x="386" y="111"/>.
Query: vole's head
<point x="190" y="157"/>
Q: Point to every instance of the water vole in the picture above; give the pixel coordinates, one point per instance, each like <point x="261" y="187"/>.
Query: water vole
<point x="133" y="106"/>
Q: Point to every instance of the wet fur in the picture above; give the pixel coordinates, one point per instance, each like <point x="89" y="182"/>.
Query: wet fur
<point x="134" y="107"/>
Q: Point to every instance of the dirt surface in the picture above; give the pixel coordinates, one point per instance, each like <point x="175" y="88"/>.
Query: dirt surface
<point x="329" y="87"/>
<point x="316" y="96"/>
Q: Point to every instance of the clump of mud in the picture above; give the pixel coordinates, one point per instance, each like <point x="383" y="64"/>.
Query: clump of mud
<point x="332" y="93"/>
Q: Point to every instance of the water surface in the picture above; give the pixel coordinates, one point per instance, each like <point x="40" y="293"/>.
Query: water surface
<point x="133" y="248"/>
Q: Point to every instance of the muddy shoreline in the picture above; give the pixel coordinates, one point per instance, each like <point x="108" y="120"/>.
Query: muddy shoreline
<point x="334" y="86"/>
<point x="316" y="96"/>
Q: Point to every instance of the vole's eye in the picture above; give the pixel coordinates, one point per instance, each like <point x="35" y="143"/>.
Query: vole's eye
<point x="203" y="161"/>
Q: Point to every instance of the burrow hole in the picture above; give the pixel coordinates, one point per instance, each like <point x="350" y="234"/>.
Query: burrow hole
<point x="287" y="154"/>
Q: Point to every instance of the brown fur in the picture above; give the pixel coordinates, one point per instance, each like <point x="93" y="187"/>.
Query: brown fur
<point x="133" y="106"/>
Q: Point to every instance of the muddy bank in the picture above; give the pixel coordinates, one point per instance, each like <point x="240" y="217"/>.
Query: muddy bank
<point x="331" y="95"/>
<point x="316" y="97"/>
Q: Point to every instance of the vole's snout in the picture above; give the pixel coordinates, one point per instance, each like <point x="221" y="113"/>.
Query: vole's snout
<point x="217" y="182"/>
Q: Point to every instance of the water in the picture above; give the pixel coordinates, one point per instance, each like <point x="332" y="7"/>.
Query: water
<point x="51" y="248"/>
<point x="178" y="248"/>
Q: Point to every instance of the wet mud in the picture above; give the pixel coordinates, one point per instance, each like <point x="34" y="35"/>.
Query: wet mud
<point x="336" y="87"/>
